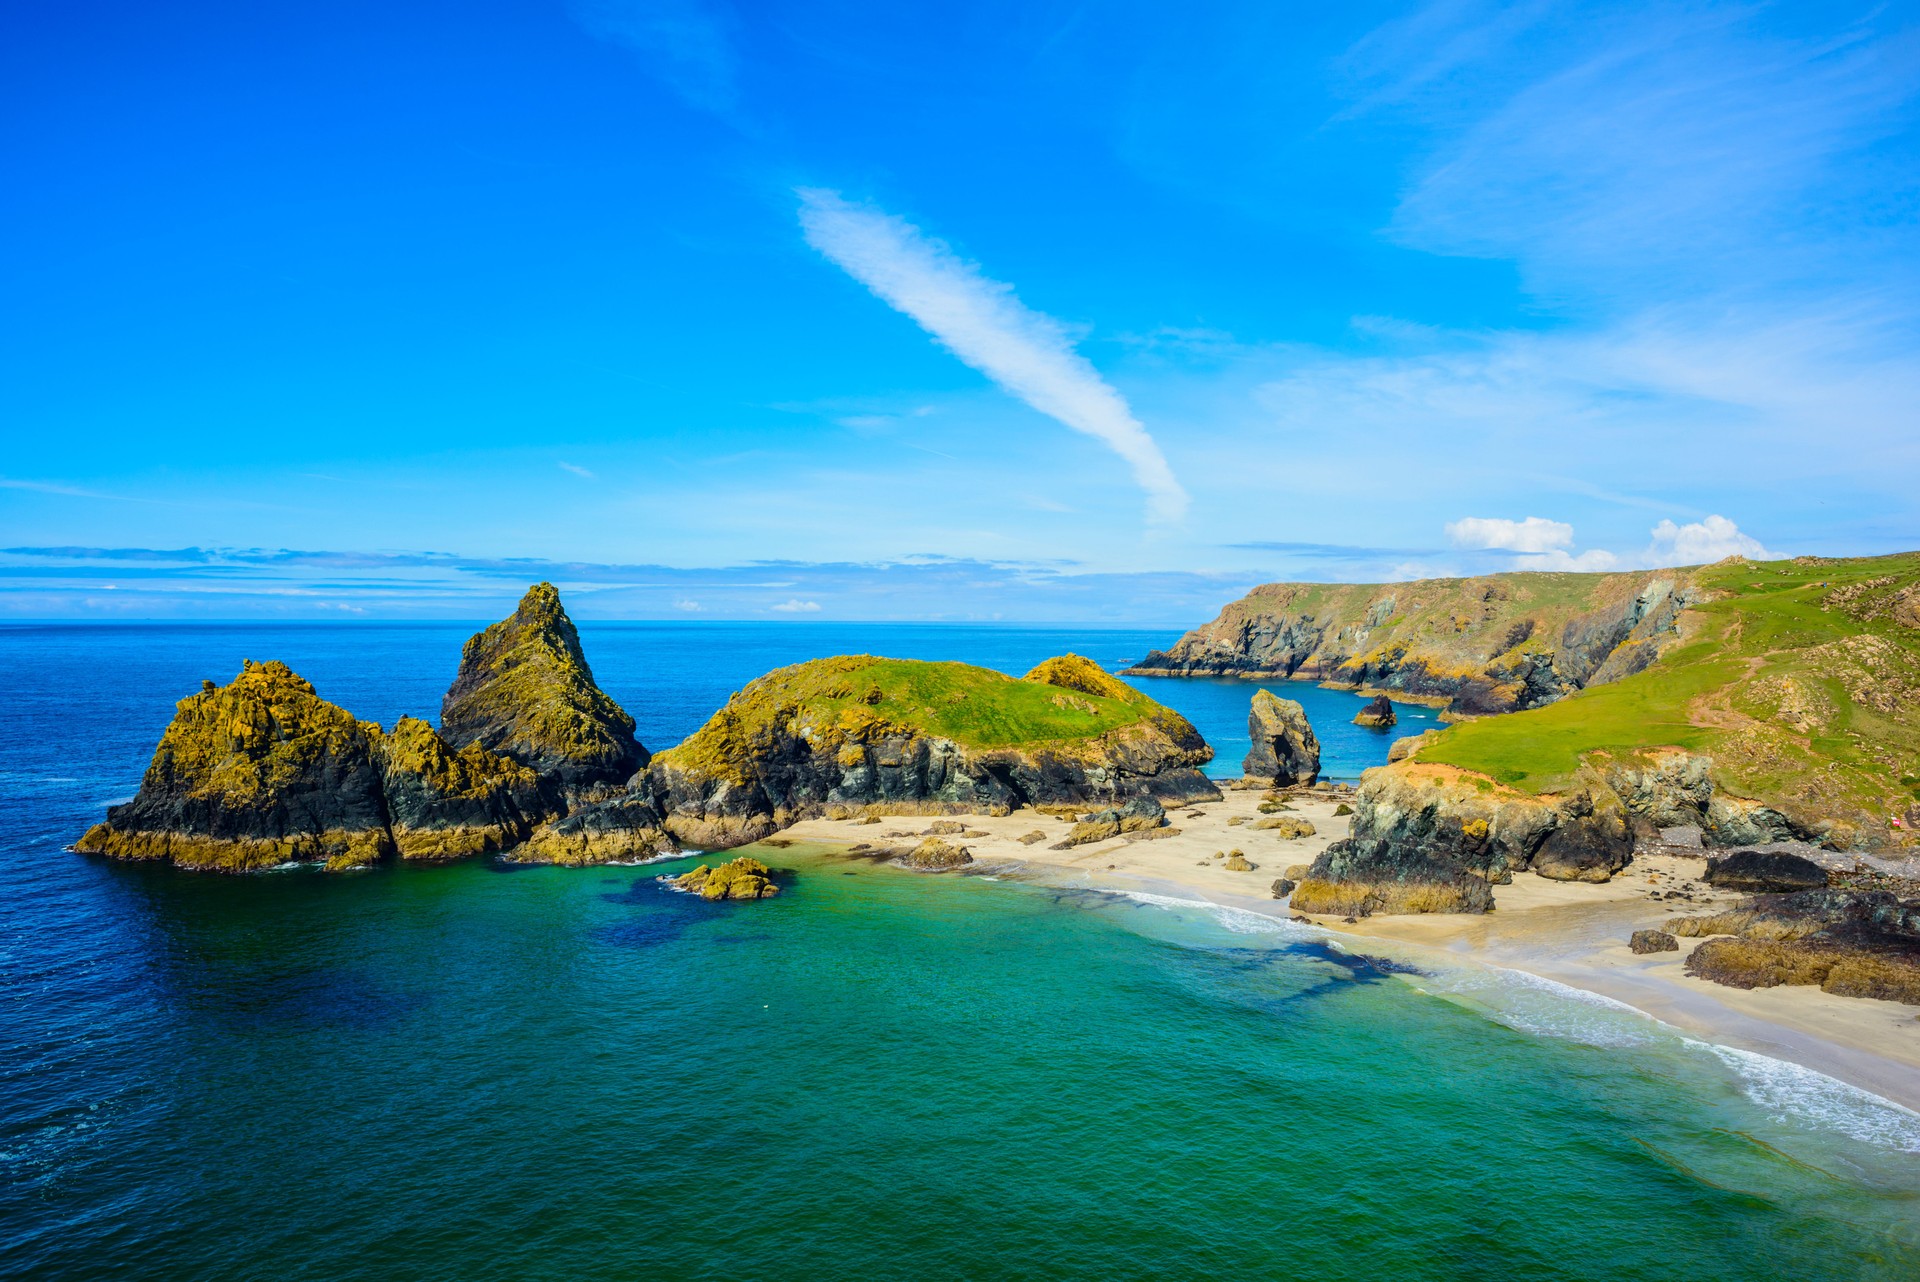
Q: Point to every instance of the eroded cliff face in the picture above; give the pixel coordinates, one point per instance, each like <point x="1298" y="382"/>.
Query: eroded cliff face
<point x="524" y="690"/>
<point x="1494" y="644"/>
<point x="1433" y="838"/>
<point x="253" y="774"/>
<point x="893" y="736"/>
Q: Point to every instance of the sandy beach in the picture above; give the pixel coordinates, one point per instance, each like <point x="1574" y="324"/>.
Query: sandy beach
<point x="1573" y="933"/>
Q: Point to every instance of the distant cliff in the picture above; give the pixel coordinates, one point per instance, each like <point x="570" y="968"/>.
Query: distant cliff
<point x="1484" y="645"/>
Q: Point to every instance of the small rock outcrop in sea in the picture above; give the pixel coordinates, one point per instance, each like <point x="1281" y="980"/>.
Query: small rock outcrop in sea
<point x="1285" y="748"/>
<point x="253" y="774"/>
<point x="917" y="738"/>
<point x="1765" y="872"/>
<point x="443" y="804"/>
<point x="1652" y="941"/>
<point x="1856" y="943"/>
<point x="524" y="690"/>
<point x="1378" y="715"/>
<point x="742" y="878"/>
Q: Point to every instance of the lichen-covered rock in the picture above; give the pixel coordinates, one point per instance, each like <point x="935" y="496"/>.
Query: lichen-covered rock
<point x="524" y="690"/>
<point x="1283" y="886"/>
<point x="443" y="804"/>
<point x="855" y="730"/>
<point x="935" y="855"/>
<point x="1652" y="941"/>
<point x="1285" y="827"/>
<point x="254" y="774"/>
<point x="1377" y="715"/>
<point x="1854" y="943"/>
<point x="1285" y="749"/>
<point x="1033" y="838"/>
<point x="1765" y="872"/>
<point x="623" y="828"/>
<point x="742" y="878"/>
<point x="1237" y="862"/>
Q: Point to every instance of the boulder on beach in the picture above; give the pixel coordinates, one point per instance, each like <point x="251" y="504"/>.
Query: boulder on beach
<point x="1285" y="749"/>
<point x="1652" y="941"/>
<point x="1765" y="872"/>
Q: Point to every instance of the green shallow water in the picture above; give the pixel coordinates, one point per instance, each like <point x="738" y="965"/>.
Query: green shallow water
<point x="462" y="1072"/>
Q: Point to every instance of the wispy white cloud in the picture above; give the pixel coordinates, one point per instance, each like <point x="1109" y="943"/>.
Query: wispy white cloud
<point x="796" y="606"/>
<point x="577" y="470"/>
<point x="686" y="43"/>
<point x="981" y="321"/>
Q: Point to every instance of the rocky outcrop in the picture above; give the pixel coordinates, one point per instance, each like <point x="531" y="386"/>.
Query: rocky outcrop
<point x="1141" y="814"/>
<point x="935" y="855"/>
<point x="741" y="878"/>
<point x="1378" y="715"/>
<point x="443" y="804"/>
<point x="898" y="735"/>
<point x="1493" y="644"/>
<point x="1285" y="749"/>
<point x="253" y="774"/>
<point x="1417" y="828"/>
<point x="1765" y="872"/>
<point x="1855" y="943"/>
<point x="524" y="690"/>
<point x="1652" y="941"/>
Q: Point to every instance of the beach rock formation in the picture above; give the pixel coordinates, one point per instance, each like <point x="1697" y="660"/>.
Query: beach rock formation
<point x="1855" y="943"/>
<point x="1141" y="814"/>
<point x="935" y="855"/>
<point x="524" y="691"/>
<point x="742" y="878"/>
<point x="1285" y="748"/>
<point x="1492" y="644"/>
<point x="1282" y="887"/>
<point x="1377" y="715"/>
<point x="1652" y="941"/>
<point x="906" y="737"/>
<point x="1765" y="872"/>
<point x="253" y="774"/>
<point x="443" y="804"/>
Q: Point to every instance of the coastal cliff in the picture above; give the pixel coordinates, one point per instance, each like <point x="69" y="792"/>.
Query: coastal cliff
<point x="1483" y="645"/>
<point x="253" y="774"/>
<point x="524" y="690"/>
<point x="907" y="737"/>
<point x="1786" y="716"/>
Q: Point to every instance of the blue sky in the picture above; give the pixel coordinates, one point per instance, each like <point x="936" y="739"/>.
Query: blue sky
<point x="1097" y="311"/>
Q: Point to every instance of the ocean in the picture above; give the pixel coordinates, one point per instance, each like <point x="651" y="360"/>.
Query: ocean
<point x="477" y="1072"/>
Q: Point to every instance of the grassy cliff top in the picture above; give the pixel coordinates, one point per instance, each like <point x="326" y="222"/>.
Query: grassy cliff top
<point x="1801" y="679"/>
<point x="860" y="697"/>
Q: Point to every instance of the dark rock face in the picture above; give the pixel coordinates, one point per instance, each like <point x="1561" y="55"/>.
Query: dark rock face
<point x="524" y="690"/>
<point x="1589" y="843"/>
<point x="1653" y="941"/>
<point x="443" y="804"/>
<point x="1283" y="886"/>
<point x="1378" y="715"/>
<point x="1765" y="872"/>
<point x="1285" y="749"/>
<point x="254" y="774"/>
<point x="1357" y="877"/>
<point x="1849" y="942"/>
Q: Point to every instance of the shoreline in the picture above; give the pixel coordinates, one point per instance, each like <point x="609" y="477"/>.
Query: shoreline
<point x="1570" y="933"/>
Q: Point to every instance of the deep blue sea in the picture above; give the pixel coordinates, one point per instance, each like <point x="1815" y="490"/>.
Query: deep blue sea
<point x="473" y="1073"/>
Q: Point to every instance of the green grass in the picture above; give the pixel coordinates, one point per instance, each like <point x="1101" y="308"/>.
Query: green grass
<point x="1800" y="681"/>
<point x="856" y="697"/>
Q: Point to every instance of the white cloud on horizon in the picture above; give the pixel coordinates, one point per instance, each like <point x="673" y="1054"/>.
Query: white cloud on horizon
<point x="1534" y="534"/>
<point x="982" y="322"/>
<point x="1540" y="544"/>
<point x="796" y="606"/>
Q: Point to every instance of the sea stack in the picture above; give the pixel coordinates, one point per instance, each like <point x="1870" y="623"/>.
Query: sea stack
<point x="1377" y="715"/>
<point x="524" y="691"/>
<point x="253" y="774"/>
<point x="1285" y="749"/>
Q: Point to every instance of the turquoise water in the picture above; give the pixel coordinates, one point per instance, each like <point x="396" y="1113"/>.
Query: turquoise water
<point x="463" y="1072"/>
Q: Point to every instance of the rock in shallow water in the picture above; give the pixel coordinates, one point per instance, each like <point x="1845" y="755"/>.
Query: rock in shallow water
<point x="742" y="878"/>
